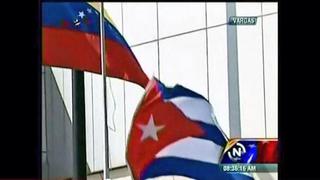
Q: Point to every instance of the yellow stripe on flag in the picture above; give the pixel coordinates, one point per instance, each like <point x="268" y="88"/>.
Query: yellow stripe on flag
<point x="96" y="6"/>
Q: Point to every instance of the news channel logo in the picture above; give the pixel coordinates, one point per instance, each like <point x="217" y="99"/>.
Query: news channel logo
<point x="250" y="155"/>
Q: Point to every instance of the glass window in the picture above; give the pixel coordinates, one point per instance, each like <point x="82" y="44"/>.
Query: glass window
<point x="140" y="22"/>
<point x="270" y="33"/>
<point x="133" y="95"/>
<point x="248" y="9"/>
<point x="116" y="118"/>
<point x="67" y="91"/>
<point x="216" y="13"/>
<point x="114" y="11"/>
<point x="98" y="122"/>
<point x="147" y="56"/>
<point x="176" y="18"/>
<point x="269" y="7"/>
<point x="58" y="75"/>
<point x="89" y="118"/>
<point x="250" y="65"/>
<point x="183" y="61"/>
<point x="218" y="75"/>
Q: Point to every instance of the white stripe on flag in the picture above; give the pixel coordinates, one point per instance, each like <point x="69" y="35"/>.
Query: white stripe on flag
<point x="196" y="109"/>
<point x="194" y="149"/>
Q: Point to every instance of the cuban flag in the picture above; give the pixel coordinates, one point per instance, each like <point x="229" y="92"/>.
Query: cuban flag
<point x="71" y="39"/>
<point x="174" y="132"/>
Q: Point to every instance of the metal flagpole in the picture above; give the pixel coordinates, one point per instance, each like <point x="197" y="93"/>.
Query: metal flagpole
<point x="104" y="73"/>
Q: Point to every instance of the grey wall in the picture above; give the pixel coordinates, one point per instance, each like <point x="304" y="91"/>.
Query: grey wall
<point x="57" y="157"/>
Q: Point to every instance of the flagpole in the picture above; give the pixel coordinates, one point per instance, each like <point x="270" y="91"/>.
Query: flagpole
<point x="104" y="73"/>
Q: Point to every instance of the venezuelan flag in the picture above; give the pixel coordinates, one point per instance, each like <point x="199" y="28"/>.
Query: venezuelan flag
<point x="71" y="39"/>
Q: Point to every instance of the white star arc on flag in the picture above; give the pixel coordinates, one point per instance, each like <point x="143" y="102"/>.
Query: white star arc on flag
<point x="81" y="14"/>
<point x="76" y="22"/>
<point x="150" y="130"/>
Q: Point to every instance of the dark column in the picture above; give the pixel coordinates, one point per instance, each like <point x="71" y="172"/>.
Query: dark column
<point x="79" y="125"/>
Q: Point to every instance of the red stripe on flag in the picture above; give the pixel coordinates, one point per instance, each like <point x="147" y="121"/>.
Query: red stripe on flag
<point x="71" y="49"/>
<point x="121" y="63"/>
<point x="81" y="51"/>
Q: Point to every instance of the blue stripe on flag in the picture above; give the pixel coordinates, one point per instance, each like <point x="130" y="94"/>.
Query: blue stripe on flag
<point x="213" y="133"/>
<point x="189" y="168"/>
<point x="238" y="176"/>
<point x="54" y="13"/>
<point x="177" y="91"/>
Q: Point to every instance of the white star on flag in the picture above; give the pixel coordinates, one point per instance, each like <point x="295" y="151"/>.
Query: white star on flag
<point x="81" y="14"/>
<point x="150" y="130"/>
<point x="252" y="145"/>
<point x="89" y="10"/>
<point x="76" y="22"/>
